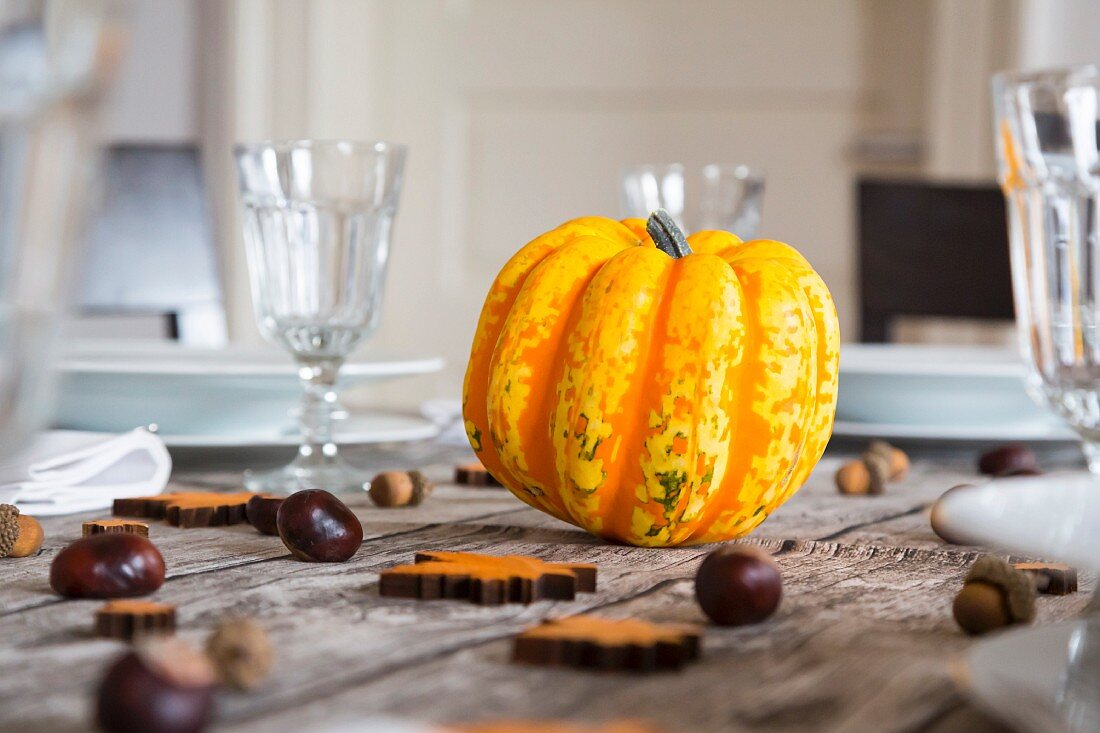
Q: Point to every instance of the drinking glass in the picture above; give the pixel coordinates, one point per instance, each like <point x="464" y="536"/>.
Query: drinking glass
<point x="726" y="197"/>
<point x="55" y="58"/>
<point x="317" y="222"/>
<point x="1049" y="168"/>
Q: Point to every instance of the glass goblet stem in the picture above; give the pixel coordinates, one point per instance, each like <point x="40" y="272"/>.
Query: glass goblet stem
<point x="318" y="411"/>
<point x="1091" y="449"/>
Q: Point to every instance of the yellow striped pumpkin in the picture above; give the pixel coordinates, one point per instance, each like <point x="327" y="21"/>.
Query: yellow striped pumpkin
<point x="652" y="390"/>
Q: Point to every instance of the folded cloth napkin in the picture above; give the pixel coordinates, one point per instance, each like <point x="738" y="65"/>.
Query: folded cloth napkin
<point x="66" y="471"/>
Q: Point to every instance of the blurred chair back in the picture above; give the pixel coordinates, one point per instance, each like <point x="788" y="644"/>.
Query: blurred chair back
<point x="150" y="267"/>
<point x="931" y="250"/>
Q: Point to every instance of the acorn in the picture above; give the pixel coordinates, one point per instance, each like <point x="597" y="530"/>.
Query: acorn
<point x="399" y="488"/>
<point x="20" y="535"/>
<point x="881" y="462"/>
<point x="994" y="595"/>
<point x="241" y="652"/>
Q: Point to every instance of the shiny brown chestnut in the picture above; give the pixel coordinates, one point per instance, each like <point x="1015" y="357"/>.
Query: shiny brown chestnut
<point x="317" y="527"/>
<point x="161" y="686"/>
<point x="262" y="511"/>
<point x="738" y="585"/>
<point x="1011" y="460"/>
<point x="108" y="566"/>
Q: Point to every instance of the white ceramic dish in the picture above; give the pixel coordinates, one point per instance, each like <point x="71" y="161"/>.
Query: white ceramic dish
<point x="1025" y="694"/>
<point x="1021" y="676"/>
<point x="377" y="427"/>
<point x="116" y="386"/>
<point x="1054" y="516"/>
<point x="1050" y="431"/>
<point x="930" y="386"/>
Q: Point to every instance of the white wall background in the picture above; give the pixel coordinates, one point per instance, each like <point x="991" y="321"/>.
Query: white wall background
<point x="154" y="97"/>
<point x="519" y="113"/>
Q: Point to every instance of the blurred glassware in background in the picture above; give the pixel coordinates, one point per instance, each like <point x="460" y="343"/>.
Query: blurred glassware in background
<point x="726" y="197"/>
<point x="1078" y="699"/>
<point x="318" y="219"/>
<point x="55" y="57"/>
<point x="1049" y="169"/>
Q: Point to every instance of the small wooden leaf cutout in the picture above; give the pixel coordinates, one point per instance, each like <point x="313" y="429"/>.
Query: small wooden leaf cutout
<point x="1051" y="578"/>
<point x="127" y="619"/>
<point x="556" y="726"/>
<point x="486" y="579"/>
<point x="113" y="526"/>
<point x="187" y="509"/>
<point x="591" y="642"/>
<point x="474" y="474"/>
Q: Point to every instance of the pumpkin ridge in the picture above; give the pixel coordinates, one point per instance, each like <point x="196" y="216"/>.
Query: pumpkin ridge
<point x="726" y="493"/>
<point x="634" y="490"/>
<point x="654" y="346"/>
<point x="716" y="336"/>
<point x="498" y="304"/>
<point x="828" y="346"/>
<point x="750" y="468"/>
<point x="532" y="337"/>
<point x="588" y="408"/>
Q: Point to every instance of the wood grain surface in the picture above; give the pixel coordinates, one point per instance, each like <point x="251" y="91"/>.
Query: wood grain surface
<point x="863" y="640"/>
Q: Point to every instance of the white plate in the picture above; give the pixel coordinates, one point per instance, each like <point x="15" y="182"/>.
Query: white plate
<point x="929" y="386"/>
<point x="1054" y="516"/>
<point x="1020" y="676"/>
<point x="115" y="386"/>
<point x="377" y="427"/>
<point x="1049" y="431"/>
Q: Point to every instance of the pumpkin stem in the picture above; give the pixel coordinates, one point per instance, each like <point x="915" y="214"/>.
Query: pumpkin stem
<point x="666" y="235"/>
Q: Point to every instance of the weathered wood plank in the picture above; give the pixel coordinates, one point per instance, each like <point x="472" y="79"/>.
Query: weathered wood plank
<point x="190" y="551"/>
<point x="861" y="642"/>
<point x="341" y="636"/>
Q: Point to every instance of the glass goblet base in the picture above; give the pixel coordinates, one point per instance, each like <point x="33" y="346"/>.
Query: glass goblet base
<point x="329" y="472"/>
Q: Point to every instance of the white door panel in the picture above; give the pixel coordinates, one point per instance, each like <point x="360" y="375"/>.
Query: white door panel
<point x="520" y="113"/>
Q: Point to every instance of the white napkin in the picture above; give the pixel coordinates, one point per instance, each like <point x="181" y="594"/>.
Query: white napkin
<point x="66" y="471"/>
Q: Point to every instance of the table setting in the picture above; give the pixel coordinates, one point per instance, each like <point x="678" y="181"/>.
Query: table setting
<point x="669" y="495"/>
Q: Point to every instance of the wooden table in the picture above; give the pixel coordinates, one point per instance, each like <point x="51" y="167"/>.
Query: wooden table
<point x="863" y="641"/>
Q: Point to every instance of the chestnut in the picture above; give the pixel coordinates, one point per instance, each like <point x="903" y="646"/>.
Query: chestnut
<point x="108" y="566"/>
<point x="738" y="585"/>
<point x="261" y="512"/>
<point x="317" y="527"/>
<point x="162" y="686"/>
<point x="1011" y="460"/>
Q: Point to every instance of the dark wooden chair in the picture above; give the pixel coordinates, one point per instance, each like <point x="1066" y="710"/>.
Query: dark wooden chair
<point x="150" y="262"/>
<point x="934" y="250"/>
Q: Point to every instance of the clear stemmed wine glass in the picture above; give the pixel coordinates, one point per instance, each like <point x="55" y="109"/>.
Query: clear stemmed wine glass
<point x="727" y="197"/>
<point x="1049" y="167"/>
<point x="318" y="219"/>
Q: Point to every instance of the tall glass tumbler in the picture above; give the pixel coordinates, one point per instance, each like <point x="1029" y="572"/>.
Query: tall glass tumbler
<point x="318" y="219"/>
<point x="716" y="196"/>
<point x="1049" y="168"/>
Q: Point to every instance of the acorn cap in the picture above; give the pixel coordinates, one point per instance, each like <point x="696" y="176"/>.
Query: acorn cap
<point x="422" y="487"/>
<point x="878" y="466"/>
<point x="9" y="528"/>
<point x="241" y="652"/>
<point x="1018" y="587"/>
